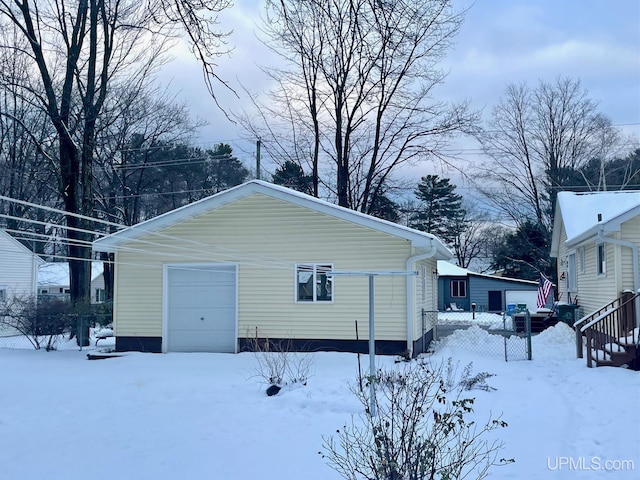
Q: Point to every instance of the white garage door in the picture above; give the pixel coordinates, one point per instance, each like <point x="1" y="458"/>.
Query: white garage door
<point x="201" y="305"/>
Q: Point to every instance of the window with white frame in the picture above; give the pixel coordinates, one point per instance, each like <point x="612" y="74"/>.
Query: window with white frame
<point x="572" y="282"/>
<point x="601" y="259"/>
<point x="458" y="288"/>
<point x="100" y="295"/>
<point x="581" y="260"/>
<point x="3" y="294"/>
<point x="312" y="282"/>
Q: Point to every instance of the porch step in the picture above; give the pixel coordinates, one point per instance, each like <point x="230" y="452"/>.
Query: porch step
<point x="616" y="358"/>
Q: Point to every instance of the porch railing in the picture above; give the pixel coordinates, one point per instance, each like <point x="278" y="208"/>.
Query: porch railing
<point x="610" y="332"/>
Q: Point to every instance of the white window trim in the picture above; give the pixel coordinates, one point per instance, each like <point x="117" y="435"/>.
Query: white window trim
<point x="602" y="264"/>
<point x="580" y="268"/>
<point x="572" y="272"/>
<point x="465" y="289"/>
<point x="314" y="301"/>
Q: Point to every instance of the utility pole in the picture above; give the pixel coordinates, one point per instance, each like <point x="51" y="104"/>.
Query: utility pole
<point x="258" y="159"/>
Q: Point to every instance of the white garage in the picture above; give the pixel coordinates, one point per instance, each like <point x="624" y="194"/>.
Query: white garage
<point x="200" y="308"/>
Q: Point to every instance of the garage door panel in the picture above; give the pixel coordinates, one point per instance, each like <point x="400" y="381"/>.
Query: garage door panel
<point x="205" y="319"/>
<point x="201" y="309"/>
<point x="202" y="275"/>
<point x="196" y="341"/>
<point x="202" y="296"/>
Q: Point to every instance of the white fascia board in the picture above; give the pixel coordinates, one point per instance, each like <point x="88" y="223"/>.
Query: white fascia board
<point x="556" y="233"/>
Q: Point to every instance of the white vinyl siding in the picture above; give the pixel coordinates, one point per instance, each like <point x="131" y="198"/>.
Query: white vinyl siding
<point x="18" y="268"/>
<point x="580" y="260"/>
<point x="630" y="233"/>
<point x="267" y="238"/>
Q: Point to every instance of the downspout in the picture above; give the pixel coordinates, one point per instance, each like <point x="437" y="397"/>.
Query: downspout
<point x="410" y="289"/>
<point x="636" y="266"/>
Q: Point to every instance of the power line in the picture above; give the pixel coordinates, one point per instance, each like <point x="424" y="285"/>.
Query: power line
<point x="223" y="251"/>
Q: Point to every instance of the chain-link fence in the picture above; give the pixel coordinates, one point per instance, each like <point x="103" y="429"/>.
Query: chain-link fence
<point x="53" y="325"/>
<point x="81" y="331"/>
<point x="481" y="332"/>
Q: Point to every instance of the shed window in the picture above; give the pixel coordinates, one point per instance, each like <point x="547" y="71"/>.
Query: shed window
<point x="313" y="284"/>
<point x="601" y="259"/>
<point x="458" y="288"/>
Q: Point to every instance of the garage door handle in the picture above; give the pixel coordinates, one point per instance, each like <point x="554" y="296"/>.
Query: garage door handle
<point x="201" y="318"/>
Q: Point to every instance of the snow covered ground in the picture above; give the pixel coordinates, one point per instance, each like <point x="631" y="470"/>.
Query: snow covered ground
<point x="206" y="416"/>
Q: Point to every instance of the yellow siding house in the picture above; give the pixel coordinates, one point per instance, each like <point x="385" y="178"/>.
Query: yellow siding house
<point x="596" y="238"/>
<point x="263" y="261"/>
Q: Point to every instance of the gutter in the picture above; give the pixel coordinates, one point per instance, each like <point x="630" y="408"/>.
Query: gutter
<point x="636" y="265"/>
<point x="410" y="289"/>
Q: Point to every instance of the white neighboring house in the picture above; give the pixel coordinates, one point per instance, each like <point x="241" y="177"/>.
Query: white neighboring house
<point x="18" y="268"/>
<point x="53" y="281"/>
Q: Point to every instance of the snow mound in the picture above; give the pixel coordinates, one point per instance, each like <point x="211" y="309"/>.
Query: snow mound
<point x="559" y="334"/>
<point x="557" y="342"/>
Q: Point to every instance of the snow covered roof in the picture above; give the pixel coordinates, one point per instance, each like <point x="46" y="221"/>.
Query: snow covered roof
<point x="579" y="212"/>
<point x="57" y="273"/>
<point x="417" y="238"/>
<point x="448" y="269"/>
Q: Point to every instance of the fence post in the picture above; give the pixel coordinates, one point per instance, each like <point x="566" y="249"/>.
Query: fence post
<point x="80" y="328"/>
<point x="423" y="314"/>
<point x="528" y="329"/>
<point x="504" y="336"/>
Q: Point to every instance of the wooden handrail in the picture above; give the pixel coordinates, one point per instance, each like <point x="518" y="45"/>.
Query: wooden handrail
<point x="605" y="327"/>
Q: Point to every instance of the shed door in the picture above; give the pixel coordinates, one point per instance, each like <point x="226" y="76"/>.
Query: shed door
<point x="495" y="300"/>
<point x="201" y="305"/>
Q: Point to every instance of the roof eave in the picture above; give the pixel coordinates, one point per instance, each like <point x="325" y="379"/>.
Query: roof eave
<point x="110" y="243"/>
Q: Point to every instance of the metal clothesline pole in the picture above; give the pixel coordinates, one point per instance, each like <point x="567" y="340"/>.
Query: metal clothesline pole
<point x="372" y="336"/>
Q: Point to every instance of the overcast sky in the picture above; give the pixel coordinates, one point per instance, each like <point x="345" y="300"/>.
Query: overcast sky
<point x="501" y="42"/>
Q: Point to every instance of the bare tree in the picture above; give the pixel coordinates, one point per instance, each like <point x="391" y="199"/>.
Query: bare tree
<point x="536" y="138"/>
<point x="78" y="51"/>
<point x="357" y="100"/>
<point x="470" y="233"/>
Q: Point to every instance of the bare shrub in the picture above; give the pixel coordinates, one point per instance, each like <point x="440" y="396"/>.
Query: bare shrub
<point x="420" y="430"/>
<point x="467" y="380"/>
<point x="278" y="364"/>
<point x="42" y="324"/>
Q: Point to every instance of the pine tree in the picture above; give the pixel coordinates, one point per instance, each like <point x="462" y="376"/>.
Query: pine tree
<point x="440" y="211"/>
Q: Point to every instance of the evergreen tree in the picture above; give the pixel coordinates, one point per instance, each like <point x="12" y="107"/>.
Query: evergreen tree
<point x="291" y="175"/>
<point x="440" y="211"/>
<point x="524" y="253"/>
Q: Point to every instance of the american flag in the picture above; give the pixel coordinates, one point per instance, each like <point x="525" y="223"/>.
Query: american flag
<point x="544" y="287"/>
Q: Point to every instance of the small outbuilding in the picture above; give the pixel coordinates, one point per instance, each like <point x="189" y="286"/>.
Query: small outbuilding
<point x="257" y="262"/>
<point x="460" y="288"/>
